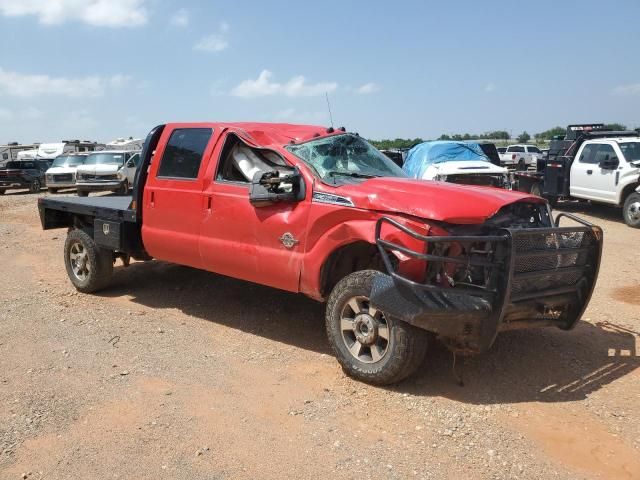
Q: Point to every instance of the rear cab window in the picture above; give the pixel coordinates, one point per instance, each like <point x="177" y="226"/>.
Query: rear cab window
<point x="182" y="156"/>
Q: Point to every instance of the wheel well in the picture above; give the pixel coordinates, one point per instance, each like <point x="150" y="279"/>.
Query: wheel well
<point x="348" y="259"/>
<point x="626" y="191"/>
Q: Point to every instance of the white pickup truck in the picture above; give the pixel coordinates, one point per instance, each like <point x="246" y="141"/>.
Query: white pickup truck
<point x="520" y="156"/>
<point x="605" y="168"/>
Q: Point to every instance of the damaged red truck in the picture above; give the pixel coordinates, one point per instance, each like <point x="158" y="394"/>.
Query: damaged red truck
<point x="321" y="212"/>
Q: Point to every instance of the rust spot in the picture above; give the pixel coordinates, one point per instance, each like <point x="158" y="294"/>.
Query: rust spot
<point x="629" y="294"/>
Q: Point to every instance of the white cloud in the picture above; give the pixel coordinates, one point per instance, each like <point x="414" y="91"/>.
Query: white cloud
<point x="630" y="89"/>
<point x="180" y="18"/>
<point x="490" y="87"/>
<point x="216" y="42"/>
<point x="15" y="84"/>
<point x="296" y="87"/>
<point x="367" y="88"/>
<point x="100" y="13"/>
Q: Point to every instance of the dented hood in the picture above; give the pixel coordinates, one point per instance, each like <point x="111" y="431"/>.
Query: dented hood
<point x="431" y="200"/>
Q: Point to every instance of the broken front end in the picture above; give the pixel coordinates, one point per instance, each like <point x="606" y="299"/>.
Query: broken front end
<point x="517" y="270"/>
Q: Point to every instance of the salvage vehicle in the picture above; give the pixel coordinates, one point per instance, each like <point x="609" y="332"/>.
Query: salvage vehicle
<point x="23" y="174"/>
<point x="593" y="164"/>
<point x="455" y="162"/>
<point x="109" y="170"/>
<point x="62" y="173"/>
<point x="321" y="212"/>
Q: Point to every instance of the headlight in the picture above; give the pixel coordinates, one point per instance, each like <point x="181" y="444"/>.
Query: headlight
<point x="49" y="176"/>
<point x="441" y="178"/>
<point x="120" y="176"/>
<point x="79" y="176"/>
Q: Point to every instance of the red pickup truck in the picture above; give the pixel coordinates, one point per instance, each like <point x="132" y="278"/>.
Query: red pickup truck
<point x="321" y="212"/>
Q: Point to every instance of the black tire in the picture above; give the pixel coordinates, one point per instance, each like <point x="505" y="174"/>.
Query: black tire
<point x="83" y="193"/>
<point x="631" y="210"/>
<point x="35" y="186"/>
<point x="52" y="190"/>
<point x="96" y="262"/>
<point x="2" y="191"/>
<point x="405" y="348"/>
<point x="124" y="188"/>
<point x="522" y="166"/>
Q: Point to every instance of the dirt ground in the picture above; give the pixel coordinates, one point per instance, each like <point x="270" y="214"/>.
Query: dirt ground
<point x="181" y="374"/>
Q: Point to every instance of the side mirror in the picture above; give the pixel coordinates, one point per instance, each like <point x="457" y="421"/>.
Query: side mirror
<point x="609" y="163"/>
<point x="268" y="188"/>
<point x="130" y="164"/>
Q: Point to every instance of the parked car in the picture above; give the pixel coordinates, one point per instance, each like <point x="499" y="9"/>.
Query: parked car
<point x="23" y="174"/>
<point x="454" y="162"/>
<point x="62" y="173"/>
<point x="322" y="212"/>
<point x="520" y="156"/>
<point x="112" y="170"/>
<point x="591" y="164"/>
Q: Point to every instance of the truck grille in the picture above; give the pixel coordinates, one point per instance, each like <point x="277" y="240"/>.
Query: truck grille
<point x="62" y="177"/>
<point x="97" y="178"/>
<point x="554" y="260"/>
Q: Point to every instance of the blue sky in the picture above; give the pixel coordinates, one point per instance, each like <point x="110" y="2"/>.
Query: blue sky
<point x="100" y="69"/>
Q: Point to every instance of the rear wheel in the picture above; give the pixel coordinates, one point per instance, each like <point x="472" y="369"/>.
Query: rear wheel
<point x="89" y="267"/>
<point x="631" y="210"/>
<point x="83" y="193"/>
<point x="369" y="345"/>
<point x="522" y="166"/>
<point x="35" y="186"/>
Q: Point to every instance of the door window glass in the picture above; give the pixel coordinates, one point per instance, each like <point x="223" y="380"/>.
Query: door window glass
<point x="183" y="155"/>
<point x="604" y="152"/>
<point x="587" y="154"/>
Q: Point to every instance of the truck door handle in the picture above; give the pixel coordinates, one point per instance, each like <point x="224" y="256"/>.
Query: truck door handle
<point x="153" y="199"/>
<point x="209" y="203"/>
<point x="589" y="172"/>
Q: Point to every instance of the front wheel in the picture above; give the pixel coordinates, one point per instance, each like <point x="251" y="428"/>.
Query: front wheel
<point x="631" y="210"/>
<point x="89" y="267"/>
<point x="83" y="193"/>
<point x="52" y="190"/>
<point x="124" y="188"/>
<point x="369" y="345"/>
<point x="35" y="186"/>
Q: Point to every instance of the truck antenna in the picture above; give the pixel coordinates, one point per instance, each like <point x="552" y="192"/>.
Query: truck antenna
<point x="326" y="94"/>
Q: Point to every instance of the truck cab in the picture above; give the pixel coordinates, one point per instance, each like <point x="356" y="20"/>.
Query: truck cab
<point x="604" y="169"/>
<point x="521" y="156"/>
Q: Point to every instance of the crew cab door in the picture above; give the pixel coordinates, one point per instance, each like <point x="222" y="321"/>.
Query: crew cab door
<point x="591" y="178"/>
<point x="172" y="196"/>
<point x="259" y="244"/>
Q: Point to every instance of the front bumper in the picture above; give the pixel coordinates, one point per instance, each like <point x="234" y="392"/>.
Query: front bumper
<point x="535" y="277"/>
<point x="98" y="186"/>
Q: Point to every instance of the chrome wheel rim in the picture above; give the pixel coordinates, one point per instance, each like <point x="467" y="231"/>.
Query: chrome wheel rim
<point x="79" y="260"/>
<point x="365" y="330"/>
<point x="634" y="211"/>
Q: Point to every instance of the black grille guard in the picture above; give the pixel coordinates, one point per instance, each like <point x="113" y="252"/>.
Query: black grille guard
<point x="531" y="272"/>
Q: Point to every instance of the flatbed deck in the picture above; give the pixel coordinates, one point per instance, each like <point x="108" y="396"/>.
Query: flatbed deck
<point x="107" y="207"/>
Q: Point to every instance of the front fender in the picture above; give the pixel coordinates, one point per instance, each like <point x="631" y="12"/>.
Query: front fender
<point x="350" y="232"/>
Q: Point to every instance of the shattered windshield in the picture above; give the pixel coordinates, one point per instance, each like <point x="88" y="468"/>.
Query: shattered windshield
<point x="630" y="150"/>
<point x="345" y="155"/>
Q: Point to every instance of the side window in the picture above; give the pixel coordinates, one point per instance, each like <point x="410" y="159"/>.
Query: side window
<point x="183" y="153"/>
<point x="136" y="159"/>
<point x="586" y="156"/>
<point x="239" y="162"/>
<point x="604" y="152"/>
<point x="5" y="156"/>
<point x="533" y="150"/>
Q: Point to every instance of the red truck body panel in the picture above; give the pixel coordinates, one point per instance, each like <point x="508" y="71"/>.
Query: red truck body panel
<point x="210" y="224"/>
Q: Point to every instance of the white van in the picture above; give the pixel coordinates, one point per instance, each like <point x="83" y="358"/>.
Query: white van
<point x="111" y="170"/>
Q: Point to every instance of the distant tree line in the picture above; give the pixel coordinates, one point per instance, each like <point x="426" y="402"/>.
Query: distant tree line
<point x="502" y="135"/>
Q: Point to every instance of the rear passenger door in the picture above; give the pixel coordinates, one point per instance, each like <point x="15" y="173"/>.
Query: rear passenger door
<point x="173" y="194"/>
<point x="582" y="169"/>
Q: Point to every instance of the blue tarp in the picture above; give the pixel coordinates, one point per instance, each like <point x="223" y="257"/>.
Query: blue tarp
<point x="425" y="154"/>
